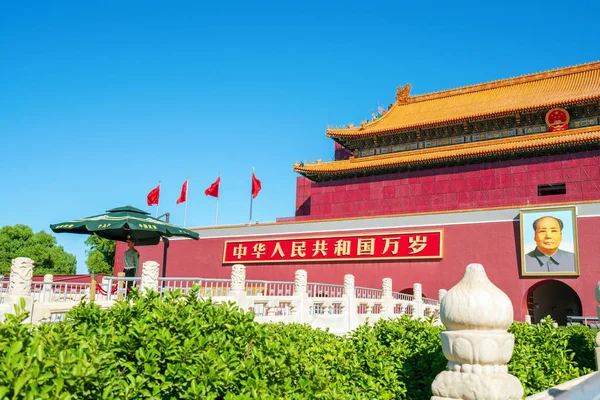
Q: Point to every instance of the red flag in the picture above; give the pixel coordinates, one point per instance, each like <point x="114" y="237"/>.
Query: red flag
<point x="255" y="186"/>
<point x="213" y="190"/>
<point x="183" y="195"/>
<point x="153" y="196"/>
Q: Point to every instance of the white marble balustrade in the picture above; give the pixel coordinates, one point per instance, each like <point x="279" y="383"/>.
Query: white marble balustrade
<point x="340" y="308"/>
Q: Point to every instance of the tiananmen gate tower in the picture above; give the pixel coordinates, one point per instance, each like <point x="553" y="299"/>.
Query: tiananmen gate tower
<point x="505" y="173"/>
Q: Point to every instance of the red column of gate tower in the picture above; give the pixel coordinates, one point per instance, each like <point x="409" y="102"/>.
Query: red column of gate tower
<point x="153" y="197"/>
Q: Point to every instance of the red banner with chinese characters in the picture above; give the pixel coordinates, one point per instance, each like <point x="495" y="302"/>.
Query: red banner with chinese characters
<point x="386" y="246"/>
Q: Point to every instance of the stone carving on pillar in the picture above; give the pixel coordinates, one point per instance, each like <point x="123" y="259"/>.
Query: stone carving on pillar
<point x="21" y="273"/>
<point x="349" y="285"/>
<point x="387" y="300"/>
<point x="476" y="343"/>
<point x="300" y="281"/>
<point x="386" y="285"/>
<point x="238" y="277"/>
<point x="418" y="309"/>
<point x="417" y="291"/>
<point x="149" y="276"/>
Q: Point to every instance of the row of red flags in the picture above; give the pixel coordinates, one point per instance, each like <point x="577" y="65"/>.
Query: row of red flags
<point x="213" y="190"/>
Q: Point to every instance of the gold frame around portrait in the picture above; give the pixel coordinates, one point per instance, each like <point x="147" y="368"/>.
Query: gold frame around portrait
<point x="549" y="211"/>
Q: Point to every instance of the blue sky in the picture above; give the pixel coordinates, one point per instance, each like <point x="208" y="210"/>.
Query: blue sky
<point x="100" y="100"/>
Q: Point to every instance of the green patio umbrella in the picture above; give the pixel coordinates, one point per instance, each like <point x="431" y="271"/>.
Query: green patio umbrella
<point x="120" y="222"/>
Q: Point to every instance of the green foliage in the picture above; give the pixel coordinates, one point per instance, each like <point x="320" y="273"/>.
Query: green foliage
<point x="182" y="347"/>
<point x="582" y="342"/>
<point x="545" y="356"/>
<point x="101" y="255"/>
<point x="21" y="241"/>
<point x="412" y="349"/>
<point x="179" y="347"/>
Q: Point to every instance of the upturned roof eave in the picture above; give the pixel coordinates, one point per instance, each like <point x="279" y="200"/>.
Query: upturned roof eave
<point x="464" y="151"/>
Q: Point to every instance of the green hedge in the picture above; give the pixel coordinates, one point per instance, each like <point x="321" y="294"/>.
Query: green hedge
<point x="182" y="347"/>
<point x="545" y="356"/>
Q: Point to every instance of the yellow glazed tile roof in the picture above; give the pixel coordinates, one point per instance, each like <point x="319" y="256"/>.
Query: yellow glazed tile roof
<point x="462" y="151"/>
<point x="542" y="90"/>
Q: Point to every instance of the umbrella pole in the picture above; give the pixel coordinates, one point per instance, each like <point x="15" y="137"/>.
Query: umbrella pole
<point x="93" y="287"/>
<point x="164" y="271"/>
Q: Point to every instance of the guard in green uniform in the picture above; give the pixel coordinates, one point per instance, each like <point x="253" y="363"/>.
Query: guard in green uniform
<point x="131" y="260"/>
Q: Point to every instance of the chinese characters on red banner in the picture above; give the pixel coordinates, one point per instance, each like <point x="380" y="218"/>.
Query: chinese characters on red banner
<point x="389" y="246"/>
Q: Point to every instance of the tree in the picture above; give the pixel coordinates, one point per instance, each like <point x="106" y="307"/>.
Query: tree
<point x="101" y="255"/>
<point x="20" y="241"/>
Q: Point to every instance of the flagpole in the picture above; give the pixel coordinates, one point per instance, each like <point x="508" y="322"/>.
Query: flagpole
<point x="217" y="210"/>
<point x="187" y="190"/>
<point x="158" y="199"/>
<point x="217" y="213"/>
<point x="251" y="199"/>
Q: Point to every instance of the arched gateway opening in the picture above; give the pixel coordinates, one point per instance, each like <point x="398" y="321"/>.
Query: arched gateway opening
<point x="553" y="298"/>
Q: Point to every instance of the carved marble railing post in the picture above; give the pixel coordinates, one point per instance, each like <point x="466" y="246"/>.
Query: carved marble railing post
<point x="238" y="278"/>
<point x="21" y="274"/>
<point x="528" y="319"/>
<point x="597" y="293"/>
<point x="19" y="285"/>
<point x="149" y="277"/>
<point x="350" y="300"/>
<point x="237" y="289"/>
<point x="418" y="309"/>
<point x="47" y="294"/>
<point x="302" y="302"/>
<point x="349" y="285"/>
<point x="476" y="343"/>
<point x="387" y="307"/>
<point x="300" y="281"/>
<point x="386" y="287"/>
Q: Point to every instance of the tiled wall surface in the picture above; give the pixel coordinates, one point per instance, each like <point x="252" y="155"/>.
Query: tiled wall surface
<point x="509" y="183"/>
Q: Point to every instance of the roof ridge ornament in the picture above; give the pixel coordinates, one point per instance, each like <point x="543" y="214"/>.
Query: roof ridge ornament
<point x="403" y="94"/>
